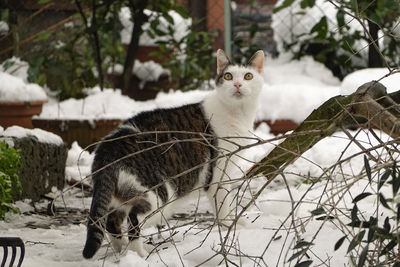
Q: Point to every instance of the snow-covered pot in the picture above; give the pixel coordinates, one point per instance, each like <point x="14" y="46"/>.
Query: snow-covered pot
<point x="19" y="113"/>
<point x="279" y="126"/>
<point x="19" y="100"/>
<point x="86" y="132"/>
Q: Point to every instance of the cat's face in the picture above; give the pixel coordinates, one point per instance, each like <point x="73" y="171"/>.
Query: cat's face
<point x="239" y="84"/>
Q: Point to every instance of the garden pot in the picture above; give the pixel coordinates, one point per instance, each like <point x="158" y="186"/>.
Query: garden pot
<point x="85" y="132"/>
<point x="279" y="126"/>
<point x="19" y="113"/>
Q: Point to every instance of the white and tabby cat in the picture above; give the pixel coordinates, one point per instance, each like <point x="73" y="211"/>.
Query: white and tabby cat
<point x="158" y="156"/>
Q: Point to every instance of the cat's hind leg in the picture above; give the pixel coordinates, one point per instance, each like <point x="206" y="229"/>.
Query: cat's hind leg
<point x="135" y="240"/>
<point x="142" y="208"/>
<point x="113" y="227"/>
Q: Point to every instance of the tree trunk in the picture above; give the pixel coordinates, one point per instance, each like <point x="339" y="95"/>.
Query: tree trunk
<point x="139" y="18"/>
<point x="374" y="56"/>
<point x="96" y="45"/>
<point x="198" y="12"/>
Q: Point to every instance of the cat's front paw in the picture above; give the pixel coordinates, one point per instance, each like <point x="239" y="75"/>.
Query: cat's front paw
<point x="137" y="246"/>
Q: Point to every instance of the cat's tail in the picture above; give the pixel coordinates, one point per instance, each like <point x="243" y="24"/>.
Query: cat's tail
<point x="103" y="188"/>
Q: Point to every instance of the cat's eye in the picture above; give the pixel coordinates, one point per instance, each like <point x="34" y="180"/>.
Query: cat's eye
<point x="228" y="76"/>
<point x="248" y="76"/>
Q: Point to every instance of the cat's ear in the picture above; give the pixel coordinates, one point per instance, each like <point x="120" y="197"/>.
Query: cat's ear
<point x="222" y="61"/>
<point x="257" y="61"/>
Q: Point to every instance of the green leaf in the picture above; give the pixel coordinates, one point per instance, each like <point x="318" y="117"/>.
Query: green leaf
<point x="7" y="64"/>
<point x="325" y="217"/>
<point x="395" y="184"/>
<point x="182" y="11"/>
<point x="304" y="263"/>
<point x="168" y="18"/>
<point x="384" y="177"/>
<point x="371" y="234"/>
<point x="297" y="254"/>
<point x="285" y="4"/>
<point x="367" y="168"/>
<point x="383" y="201"/>
<point x="363" y="257"/>
<point x="386" y="225"/>
<point x="318" y="211"/>
<point x="307" y="3"/>
<point x="340" y="19"/>
<point x="388" y="248"/>
<point x="302" y="243"/>
<point x="10" y="165"/>
<point x="43" y="1"/>
<point x="359" y="224"/>
<point x="361" y="196"/>
<point x="321" y="28"/>
<point x="398" y="211"/>
<point x="356" y="241"/>
<point x="339" y="242"/>
<point x="354" y="211"/>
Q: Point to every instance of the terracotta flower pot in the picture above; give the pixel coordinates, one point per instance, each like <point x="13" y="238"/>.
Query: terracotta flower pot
<point x="19" y="113"/>
<point x="86" y="132"/>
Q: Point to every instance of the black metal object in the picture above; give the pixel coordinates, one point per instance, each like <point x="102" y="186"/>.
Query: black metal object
<point x="13" y="243"/>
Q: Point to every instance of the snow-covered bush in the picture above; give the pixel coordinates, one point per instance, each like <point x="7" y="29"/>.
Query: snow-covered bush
<point x="340" y="33"/>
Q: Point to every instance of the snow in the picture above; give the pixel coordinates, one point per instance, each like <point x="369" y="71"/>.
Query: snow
<point x="180" y="26"/>
<point x="111" y="104"/>
<point x="78" y="165"/>
<point x="4" y="28"/>
<point x="41" y="135"/>
<point x="146" y="71"/>
<point x="16" y="67"/>
<point x="13" y="89"/>
<point x="62" y="245"/>
<point x="292" y="89"/>
<point x="310" y="84"/>
<point x="294" y="23"/>
<point x="352" y="81"/>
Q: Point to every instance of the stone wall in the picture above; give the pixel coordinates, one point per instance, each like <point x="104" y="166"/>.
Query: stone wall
<point x="43" y="166"/>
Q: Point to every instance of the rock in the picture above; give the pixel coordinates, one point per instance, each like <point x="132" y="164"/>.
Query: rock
<point x="43" y="165"/>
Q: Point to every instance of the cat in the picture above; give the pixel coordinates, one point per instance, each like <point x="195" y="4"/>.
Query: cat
<point x="159" y="156"/>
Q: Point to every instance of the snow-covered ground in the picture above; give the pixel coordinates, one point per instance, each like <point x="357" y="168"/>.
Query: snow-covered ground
<point x="291" y="91"/>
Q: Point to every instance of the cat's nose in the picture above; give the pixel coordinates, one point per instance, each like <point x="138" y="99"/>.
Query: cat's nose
<point x="237" y="85"/>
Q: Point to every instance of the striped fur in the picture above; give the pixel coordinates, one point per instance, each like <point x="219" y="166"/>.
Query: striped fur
<point x="180" y="140"/>
<point x="159" y="156"/>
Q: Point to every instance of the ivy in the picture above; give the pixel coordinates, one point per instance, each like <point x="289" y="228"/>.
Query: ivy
<point x="10" y="164"/>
